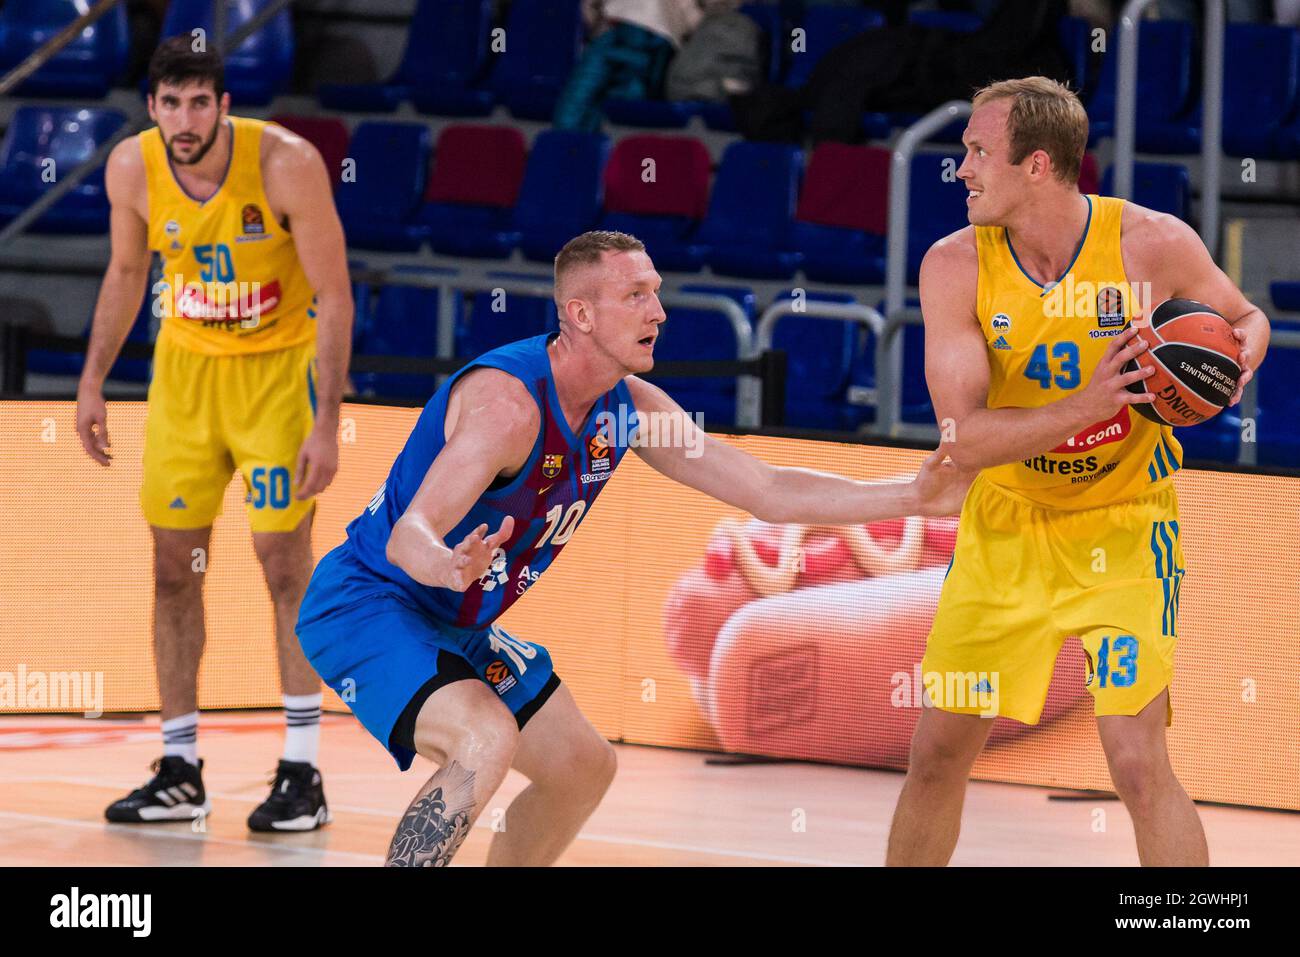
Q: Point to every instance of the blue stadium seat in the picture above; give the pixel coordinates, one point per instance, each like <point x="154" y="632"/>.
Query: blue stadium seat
<point x="496" y="319"/>
<point x="445" y="57"/>
<point x="1164" y="86"/>
<point x="824" y="29"/>
<point x="49" y="362"/>
<point x="916" y="407"/>
<point x="380" y="208"/>
<point x="1164" y="187"/>
<point x="1076" y="36"/>
<point x="937" y="205"/>
<point x="362" y="305"/>
<point x="42" y="143"/>
<point x="1277" y="422"/>
<point x="1260" y="76"/>
<point x="747" y="231"/>
<point x="449" y="60"/>
<point x="698" y="335"/>
<point x="404" y="322"/>
<point x="1218" y="440"/>
<point x="561" y="194"/>
<point x="1286" y="295"/>
<point x="1261" y="89"/>
<point x="260" y="67"/>
<point x="957" y="21"/>
<point x="819" y="361"/>
<point x="85" y="68"/>
<point x="544" y="39"/>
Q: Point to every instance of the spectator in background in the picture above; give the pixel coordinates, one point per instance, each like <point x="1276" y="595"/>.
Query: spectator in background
<point x="633" y="42"/>
<point x="723" y="57"/>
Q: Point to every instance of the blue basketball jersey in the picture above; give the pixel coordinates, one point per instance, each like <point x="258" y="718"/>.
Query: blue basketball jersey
<point x="548" y="498"/>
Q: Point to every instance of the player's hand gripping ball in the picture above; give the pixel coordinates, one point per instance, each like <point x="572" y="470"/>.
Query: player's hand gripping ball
<point x="1197" y="363"/>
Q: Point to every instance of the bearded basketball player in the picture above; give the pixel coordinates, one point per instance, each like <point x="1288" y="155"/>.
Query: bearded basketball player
<point x="248" y="373"/>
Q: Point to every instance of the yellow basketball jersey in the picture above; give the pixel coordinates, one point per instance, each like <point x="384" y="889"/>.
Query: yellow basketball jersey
<point x="232" y="282"/>
<point x="1044" y="342"/>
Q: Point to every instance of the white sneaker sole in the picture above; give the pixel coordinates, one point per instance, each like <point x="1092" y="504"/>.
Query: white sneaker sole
<point x="306" y="822"/>
<point x="177" y="812"/>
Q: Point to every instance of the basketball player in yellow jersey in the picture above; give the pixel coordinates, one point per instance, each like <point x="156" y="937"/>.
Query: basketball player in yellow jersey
<point x="248" y="372"/>
<point x="1071" y="526"/>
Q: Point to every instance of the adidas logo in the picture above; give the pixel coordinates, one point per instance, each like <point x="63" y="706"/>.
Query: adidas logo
<point x="1001" y="343"/>
<point x="984" y="687"/>
<point x="177" y="502"/>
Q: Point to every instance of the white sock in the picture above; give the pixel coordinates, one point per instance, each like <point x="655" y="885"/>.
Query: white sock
<point x="302" y="727"/>
<point x="180" y="737"/>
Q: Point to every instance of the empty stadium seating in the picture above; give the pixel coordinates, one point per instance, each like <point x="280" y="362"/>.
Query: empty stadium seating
<point x="258" y="68"/>
<point x="380" y="209"/>
<point x="85" y="68"/>
<point x="561" y="192"/>
<point x="327" y="133"/>
<point x="403" y="322"/>
<point x="1164" y="85"/>
<point x="843" y="214"/>
<point x="543" y="40"/>
<point x="1164" y="187"/>
<point x="657" y="188"/>
<point x="42" y="143"/>
<point x="496" y="318"/>
<point x="693" y="335"/>
<point x="473" y="186"/>
<point x="747" y="231"/>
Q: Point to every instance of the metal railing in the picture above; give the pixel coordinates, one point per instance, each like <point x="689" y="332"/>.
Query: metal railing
<point x="749" y="394"/>
<point x="1213" y="30"/>
<point x="889" y="355"/>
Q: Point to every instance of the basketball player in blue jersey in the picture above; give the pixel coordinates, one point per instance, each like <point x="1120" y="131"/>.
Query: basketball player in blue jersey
<point x="499" y="471"/>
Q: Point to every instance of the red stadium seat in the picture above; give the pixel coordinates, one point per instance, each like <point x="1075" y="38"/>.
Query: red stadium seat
<point x="328" y="134"/>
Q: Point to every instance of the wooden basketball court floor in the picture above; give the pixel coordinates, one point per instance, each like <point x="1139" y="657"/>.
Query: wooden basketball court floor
<point x="665" y="807"/>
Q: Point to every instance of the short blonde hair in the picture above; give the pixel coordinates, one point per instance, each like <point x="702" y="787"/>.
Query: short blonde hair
<point x="1045" y="115"/>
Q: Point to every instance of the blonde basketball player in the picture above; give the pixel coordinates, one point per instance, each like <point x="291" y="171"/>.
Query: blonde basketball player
<point x="1071" y="527"/>
<point x="248" y="372"/>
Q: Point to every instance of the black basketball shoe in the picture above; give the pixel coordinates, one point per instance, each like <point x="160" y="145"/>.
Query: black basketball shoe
<point x="297" y="801"/>
<point x="175" y="794"/>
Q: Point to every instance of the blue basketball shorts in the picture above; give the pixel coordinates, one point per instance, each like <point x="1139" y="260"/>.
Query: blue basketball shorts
<point x="384" y="656"/>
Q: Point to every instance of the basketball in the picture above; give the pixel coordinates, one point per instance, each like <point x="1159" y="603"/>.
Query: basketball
<point x="1195" y="356"/>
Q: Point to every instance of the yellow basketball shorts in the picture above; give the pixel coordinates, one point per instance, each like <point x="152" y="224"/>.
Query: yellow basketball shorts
<point x="209" y="415"/>
<point x="1024" y="578"/>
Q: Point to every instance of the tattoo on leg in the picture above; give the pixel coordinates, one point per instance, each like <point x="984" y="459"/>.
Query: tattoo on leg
<point x="437" y="821"/>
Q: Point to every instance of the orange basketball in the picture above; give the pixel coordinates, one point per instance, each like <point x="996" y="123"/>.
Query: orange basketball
<point x="1197" y="363"/>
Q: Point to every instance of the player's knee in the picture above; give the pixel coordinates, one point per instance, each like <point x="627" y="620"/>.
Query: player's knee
<point x="1137" y="773"/>
<point x="583" y="769"/>
<point x="939" y="758"/>
<point x="488" y="736"/>
<point x="176" y="577"/>
<point x="285" y="576"/>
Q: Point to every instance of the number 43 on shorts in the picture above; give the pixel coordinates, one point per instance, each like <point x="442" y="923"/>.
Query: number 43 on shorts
<point x="1117" y="664"/>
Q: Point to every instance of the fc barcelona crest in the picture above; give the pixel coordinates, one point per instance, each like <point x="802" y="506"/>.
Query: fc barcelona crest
<point x="551" y="464"/>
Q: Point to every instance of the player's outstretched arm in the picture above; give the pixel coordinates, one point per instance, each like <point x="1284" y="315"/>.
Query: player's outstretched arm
<point x="781" y="494"/>
<point x="1166" y="252"/>
<point x="299" y="184"/>
<point x="119" y="295"/>
<point x="491" y="431"/>
<point x="957" y="372"/>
